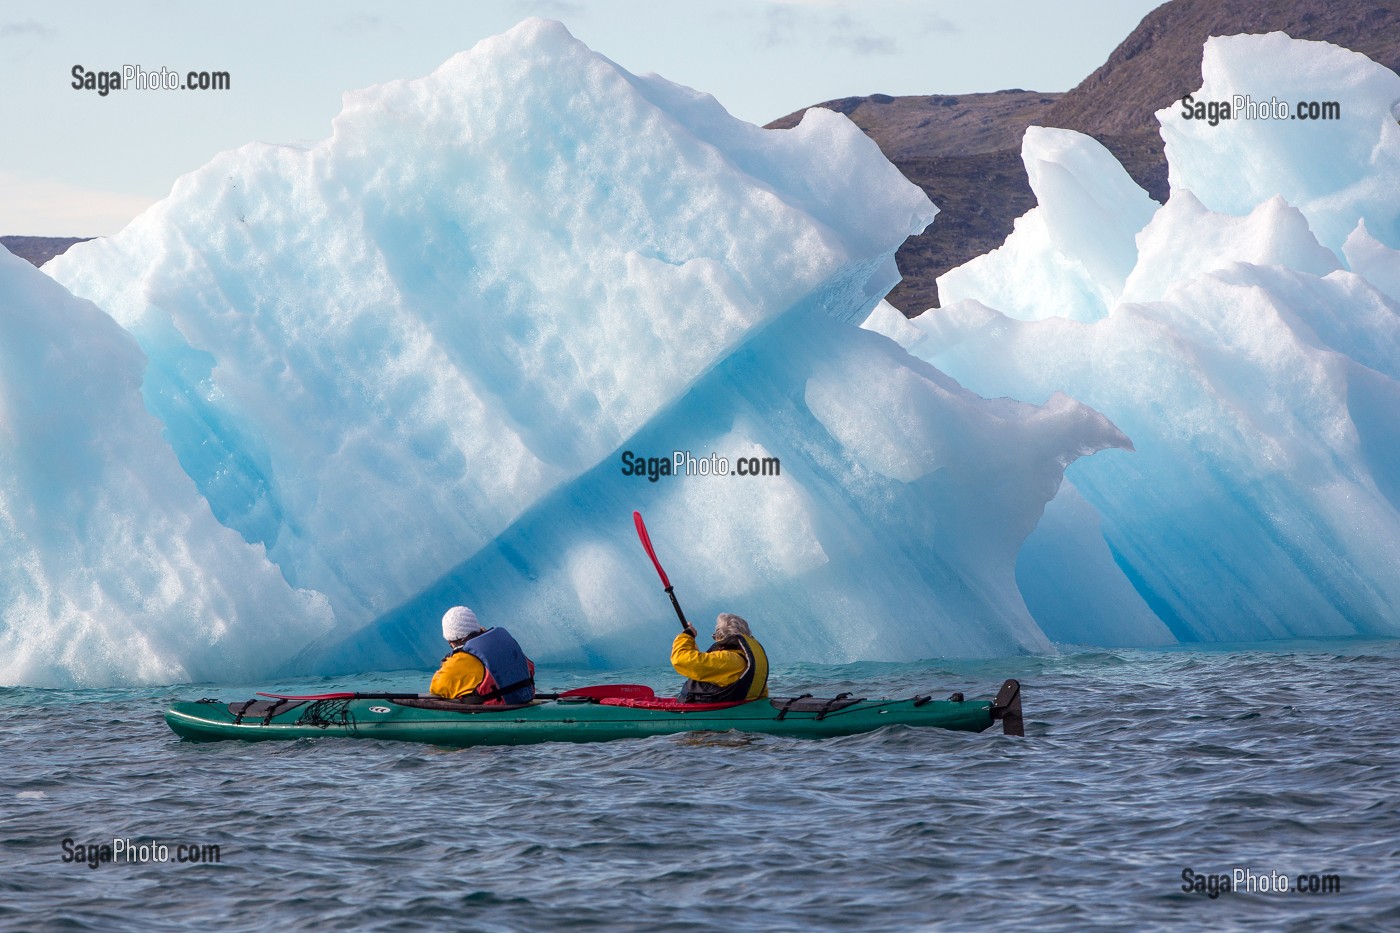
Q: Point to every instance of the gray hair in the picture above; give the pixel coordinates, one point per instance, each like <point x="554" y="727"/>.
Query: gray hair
<point x="727" y="624"/>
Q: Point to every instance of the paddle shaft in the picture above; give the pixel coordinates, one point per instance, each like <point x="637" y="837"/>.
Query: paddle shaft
<point x="660" y="571"/>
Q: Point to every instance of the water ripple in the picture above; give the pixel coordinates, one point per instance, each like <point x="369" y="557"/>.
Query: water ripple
<point x="1135" y="766"/>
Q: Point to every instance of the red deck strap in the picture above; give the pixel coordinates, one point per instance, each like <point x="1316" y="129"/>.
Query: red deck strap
<point x="667" y="704"/>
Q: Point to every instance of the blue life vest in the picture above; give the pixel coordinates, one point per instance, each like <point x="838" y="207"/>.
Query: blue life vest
<point x="506" y="666"/>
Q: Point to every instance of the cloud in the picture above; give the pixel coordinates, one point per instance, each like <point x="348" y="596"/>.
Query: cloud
<point x="550" y="9"/>
<point x="44" y="207"/>
<point x="938" y="24"/>
<point x="780" y="26"/>
<point x="847" y="33"/>
<point x="363" y="23"/>
<point x="799" y="22"/>
<point x="865" y="45"/>
<point x="26" y="27"/>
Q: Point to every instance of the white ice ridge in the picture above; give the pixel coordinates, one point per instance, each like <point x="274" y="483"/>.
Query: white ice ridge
<point x="1258" y="379"/>
<point x="373" y="354"/>
<point x="112" y="567"/>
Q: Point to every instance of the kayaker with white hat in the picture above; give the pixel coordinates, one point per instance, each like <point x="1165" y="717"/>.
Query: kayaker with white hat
<point x="485" y="665"/>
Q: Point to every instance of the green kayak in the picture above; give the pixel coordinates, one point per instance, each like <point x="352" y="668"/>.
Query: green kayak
<point x="576" y="718"/>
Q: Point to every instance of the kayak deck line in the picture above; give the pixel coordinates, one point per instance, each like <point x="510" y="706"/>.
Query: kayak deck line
<point x="578" y="718"/>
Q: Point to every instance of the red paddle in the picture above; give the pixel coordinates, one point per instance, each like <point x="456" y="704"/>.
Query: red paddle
<point x="651" y="552"/>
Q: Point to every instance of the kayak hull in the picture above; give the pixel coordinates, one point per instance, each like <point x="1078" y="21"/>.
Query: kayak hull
<point x="555" y="721"/>
<point x="567" y="722"/>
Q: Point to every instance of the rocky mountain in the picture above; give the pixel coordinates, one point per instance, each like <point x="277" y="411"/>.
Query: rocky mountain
<point x="964" y="150"/>
<point x="39" y="249"/>
<point x="1161" y="60"/>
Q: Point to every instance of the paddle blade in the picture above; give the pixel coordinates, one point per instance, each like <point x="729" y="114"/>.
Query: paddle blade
<point x="646" y="543"/>
<point x="608" y="691"/>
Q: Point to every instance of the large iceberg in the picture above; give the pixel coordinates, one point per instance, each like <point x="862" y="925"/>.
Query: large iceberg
<point x="373" y="354"/>
<point x="1250" y="349"/>
<point x="406" y="364"/>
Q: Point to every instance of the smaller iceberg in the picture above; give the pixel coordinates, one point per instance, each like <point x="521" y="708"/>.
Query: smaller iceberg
<point x="1256" y="374"/>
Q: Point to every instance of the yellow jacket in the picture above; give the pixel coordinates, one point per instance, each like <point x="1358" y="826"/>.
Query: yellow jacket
<point x="721" y="668"/>
<point x="712" y="667"/>
<point x="460" y="674"/>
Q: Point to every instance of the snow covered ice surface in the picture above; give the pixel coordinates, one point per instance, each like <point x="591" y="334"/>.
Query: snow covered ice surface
<point x="405" y="361"/>
<point x="1251" y="352"/>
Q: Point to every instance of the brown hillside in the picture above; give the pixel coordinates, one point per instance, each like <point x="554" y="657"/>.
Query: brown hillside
<point x="1161" y="60"/>
<point x="39" y="249"/>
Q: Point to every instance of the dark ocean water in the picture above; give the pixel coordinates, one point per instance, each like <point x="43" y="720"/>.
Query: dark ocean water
<point x="1136" y="766"/>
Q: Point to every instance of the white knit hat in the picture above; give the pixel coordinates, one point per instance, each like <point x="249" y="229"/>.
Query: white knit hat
<point x="459" y="622"/>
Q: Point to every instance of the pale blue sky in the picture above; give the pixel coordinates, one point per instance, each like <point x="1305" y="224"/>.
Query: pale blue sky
<point x="74" y="163"/>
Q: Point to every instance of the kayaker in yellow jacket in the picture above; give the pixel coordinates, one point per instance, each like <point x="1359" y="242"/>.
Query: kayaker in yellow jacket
<point x="485" y="665"/>
<point x="734" y="668"/>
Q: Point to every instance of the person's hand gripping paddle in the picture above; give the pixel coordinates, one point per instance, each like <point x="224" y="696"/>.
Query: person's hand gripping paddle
<point x="670" y="590"/>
